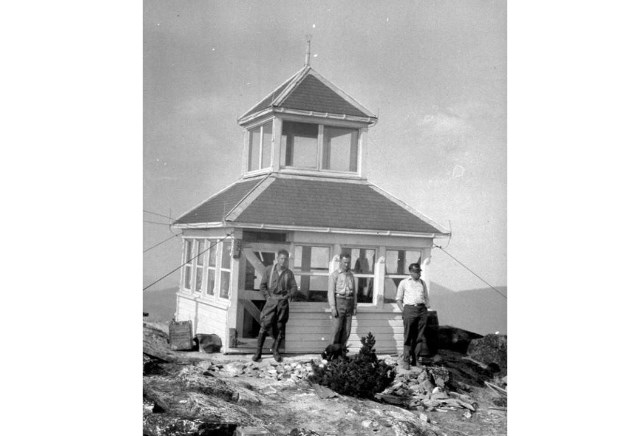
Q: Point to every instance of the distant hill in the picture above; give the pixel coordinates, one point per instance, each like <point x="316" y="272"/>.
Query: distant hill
<point x="160" y="304"/>
<point x="480" y="311"/>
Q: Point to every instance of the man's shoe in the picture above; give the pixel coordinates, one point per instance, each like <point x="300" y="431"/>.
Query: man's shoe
<point x="277" y="356"/>
<point x="256" y="357"/>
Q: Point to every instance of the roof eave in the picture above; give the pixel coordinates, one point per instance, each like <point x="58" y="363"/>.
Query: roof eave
<point x="336" y="230"/>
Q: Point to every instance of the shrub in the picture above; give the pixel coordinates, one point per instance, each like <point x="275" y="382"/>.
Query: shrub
<point x="361" y="376"/>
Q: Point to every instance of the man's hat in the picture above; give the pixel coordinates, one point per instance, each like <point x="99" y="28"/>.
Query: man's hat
<point x="415" y="267"/>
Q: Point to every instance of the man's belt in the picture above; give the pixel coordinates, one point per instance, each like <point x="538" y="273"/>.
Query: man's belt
<point x="417" y="305"/>
<point x="344" y="295"/>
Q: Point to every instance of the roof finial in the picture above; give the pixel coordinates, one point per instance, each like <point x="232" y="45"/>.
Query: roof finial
<point x="308" y="37"/>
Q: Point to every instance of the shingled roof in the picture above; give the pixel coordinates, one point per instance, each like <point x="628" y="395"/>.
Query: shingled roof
<point x="215" y="208"/>
<point x="306" y="202"/>
<point x="308" y="91"/>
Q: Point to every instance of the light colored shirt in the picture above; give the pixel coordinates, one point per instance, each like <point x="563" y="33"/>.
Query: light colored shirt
<point x="340" y="283"/>
<point x="412" y="291"/>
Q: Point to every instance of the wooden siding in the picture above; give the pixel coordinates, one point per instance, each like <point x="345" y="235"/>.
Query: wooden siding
<point x="185" y="309"/>
<point x="204" y="316"/>
<point x="212" y="319"/>
<point x="309" y="332"/>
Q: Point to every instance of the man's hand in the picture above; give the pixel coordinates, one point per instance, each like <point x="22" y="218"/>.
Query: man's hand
<point x="354" y="310"/>
<point x="334" y="312"/>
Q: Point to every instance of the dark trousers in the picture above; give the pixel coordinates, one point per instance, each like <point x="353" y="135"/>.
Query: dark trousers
<point x="414" y="325"/>
<point x="342" y="325"/>
<point x="273" y="318"/>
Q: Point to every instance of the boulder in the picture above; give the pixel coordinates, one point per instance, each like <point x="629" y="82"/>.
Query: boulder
<point x="455" y="339"/>
<point x="490" y="350"/>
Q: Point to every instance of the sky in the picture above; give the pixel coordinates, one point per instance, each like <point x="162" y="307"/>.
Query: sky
<point x="435" y="73"/>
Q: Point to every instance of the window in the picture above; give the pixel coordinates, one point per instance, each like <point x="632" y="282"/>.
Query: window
<point x="211" y="267"/>
<point x="260" y="147"/>
<point x="340" y="149"/>
<point x="397" y="263"/>
<point x="311" y="270"/>
<point x="266" y="160"/>
<point x="299" y="145"/>
<point x="225" y="269"/>
<point x="200" y="257"/>
<point x="188" y="263"/>
<point x="363" y="261"/>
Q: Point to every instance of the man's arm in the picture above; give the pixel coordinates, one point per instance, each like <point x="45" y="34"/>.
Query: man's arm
<point x="331" y="299"/>
<point x="292" y="287"/>
<point x="354" y="293"/>
<point x="264" y="288"/>
<point x="400" y="292"/>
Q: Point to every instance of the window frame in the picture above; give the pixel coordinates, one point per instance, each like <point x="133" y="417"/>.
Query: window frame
<point x="299" y="272"/>
<point x="220" y="269"/>
<point x="188" y="264"/>
<point x="198" y="248"/>
<point x="261" y="165"/>
<point x="353" y="132"/>
<point x="320" y="148"/>
<point x="398" y="276"/>
<point x="209" y="268"/>
<point x="371" y="276"/>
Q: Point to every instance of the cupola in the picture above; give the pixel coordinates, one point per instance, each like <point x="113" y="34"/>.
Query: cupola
<point x="309" y="126"/>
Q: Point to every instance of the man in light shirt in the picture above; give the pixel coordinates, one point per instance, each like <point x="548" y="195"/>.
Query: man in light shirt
<point x="413" y="300"/>
<point x="342" y="300"/>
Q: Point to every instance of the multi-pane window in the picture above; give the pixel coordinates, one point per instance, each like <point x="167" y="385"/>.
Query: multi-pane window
<point x="260" y="147"/>
<point x="311" y="270"/>
<point x="225" y="269"/>
<point x="200" y="257"/>
<point x="301" y="147"/>
<point x="211" y="267"/>
<point x="340" y="149"/>
<point x="362" y="266"/>
<point x="397" y="264"/>
<point x="188" y="263"/>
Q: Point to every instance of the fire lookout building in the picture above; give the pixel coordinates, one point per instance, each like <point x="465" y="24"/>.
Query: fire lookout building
<point x="303" y="188"/>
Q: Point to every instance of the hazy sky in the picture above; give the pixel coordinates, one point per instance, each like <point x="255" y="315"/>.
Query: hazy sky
<point x="433" y="71"/>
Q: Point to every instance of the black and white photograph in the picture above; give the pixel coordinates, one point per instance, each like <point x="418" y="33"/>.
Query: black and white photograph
<point x="306" y="215"/>
<point x="325" y="217"/>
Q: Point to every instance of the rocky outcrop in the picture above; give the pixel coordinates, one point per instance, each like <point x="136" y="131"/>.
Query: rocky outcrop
<point x="203" y="394"/>
<point x="490" y="350"/>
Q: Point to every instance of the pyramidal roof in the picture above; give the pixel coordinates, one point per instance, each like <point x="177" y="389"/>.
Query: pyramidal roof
<point x="309" y="92"/>
<point x="287" y="202"/>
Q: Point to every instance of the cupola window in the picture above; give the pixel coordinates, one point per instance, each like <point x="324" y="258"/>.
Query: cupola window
<point x="340" y="149"/>
<point x="260" y="147"/>
<point x="319" y="147"/>
<point x="300" y="141"/>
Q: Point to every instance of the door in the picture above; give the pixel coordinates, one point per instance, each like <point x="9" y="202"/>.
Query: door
<point x="257" y="258"/>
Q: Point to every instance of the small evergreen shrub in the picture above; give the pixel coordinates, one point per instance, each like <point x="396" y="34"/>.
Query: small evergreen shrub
<point x="361" y="376"/>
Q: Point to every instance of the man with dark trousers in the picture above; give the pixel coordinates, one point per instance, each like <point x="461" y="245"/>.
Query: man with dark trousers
<point x="278" y="286"/>
<point x="341" y="297"/>
<point x="413" y="300"/>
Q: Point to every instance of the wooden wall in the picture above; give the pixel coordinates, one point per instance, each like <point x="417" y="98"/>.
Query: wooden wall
<point x="309" y="332"/>
<point x="205" y="316"/>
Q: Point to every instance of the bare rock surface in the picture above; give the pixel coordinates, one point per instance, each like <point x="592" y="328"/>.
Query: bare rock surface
<point x="202" y="394"/>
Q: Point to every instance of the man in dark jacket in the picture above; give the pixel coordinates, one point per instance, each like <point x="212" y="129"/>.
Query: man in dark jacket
<point x="278" y="286"/>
